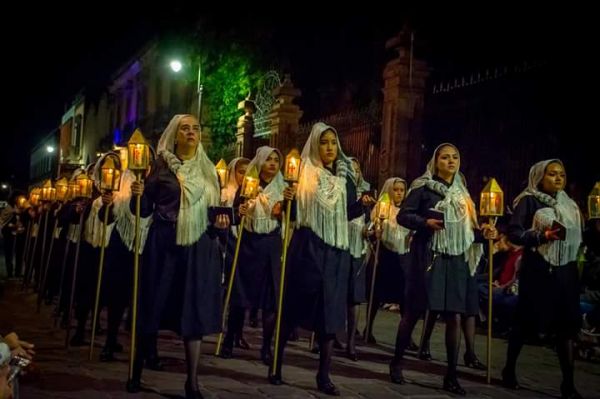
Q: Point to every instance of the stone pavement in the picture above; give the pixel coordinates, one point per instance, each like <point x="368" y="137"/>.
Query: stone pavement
<point x="62" y="374"/>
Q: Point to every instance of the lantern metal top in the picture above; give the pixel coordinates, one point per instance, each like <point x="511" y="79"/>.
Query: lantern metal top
<point x="221" y="164"/>
<point x="492" y="187"/>
<point x="137" y="138"/>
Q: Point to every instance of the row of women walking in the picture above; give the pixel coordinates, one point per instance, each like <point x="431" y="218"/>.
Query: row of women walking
<point x="430" y="247"/>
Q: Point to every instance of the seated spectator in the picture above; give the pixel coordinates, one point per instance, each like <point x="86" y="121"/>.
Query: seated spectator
<point x="505" y="283"/>
<point x="590" y="278"/>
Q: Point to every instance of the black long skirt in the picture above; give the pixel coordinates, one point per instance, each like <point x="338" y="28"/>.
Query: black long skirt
<point x="390" y="279"/>
<point x="256" y="282"/>
<point x="317" y="284"/>
<point x="180" y="287"/>
<point x="548" y="297"/>
<point x="117" y="282"/>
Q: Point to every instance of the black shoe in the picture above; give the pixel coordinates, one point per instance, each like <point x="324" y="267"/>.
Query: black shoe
<point x="226" y="352"/>
<point x="509" y="380"/>
<point x="451" y="385"/>
<point x="275" y="379"/>
<point x="473" y="362"/>
<point x="396" y="373"/>
<point x="107" y="354"/>
<point x="569" y="392"/>
<point x="242" y="343"/>
<point x="266" y="356"/>
<point x="327" y="387"/>
<point x="412" y="347"/>
<point x="154" y="363"/>
<point x="352" y="356"/>
<point x="191" y="394"/>
<point x="133" y="386"/>
<point x="424" y="355"/>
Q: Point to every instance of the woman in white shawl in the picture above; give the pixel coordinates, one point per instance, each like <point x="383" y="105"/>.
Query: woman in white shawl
<point x="443" y="255"/>
<point x="235" y="172"/>
<point x="256" y="282"/>
<point x="548" y="280"/>
<point x="317" y="281"/>
<point x="118" y="265"/>
<point x="389" y="281"/>
<point x="180" y="279"/>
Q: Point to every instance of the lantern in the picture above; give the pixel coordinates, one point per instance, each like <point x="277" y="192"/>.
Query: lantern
<point x="138" y="152"/>
<point x="492" y="200"/>
<point x="110" y="179"/>
<point x="48" y="192"/>
<point x="21" y="200"/>
<point x="222" y="172"/>
<point x="35" y="196"/>
<point x="383" y="206"/>
<point x="85" y="185"/>
<point x="73" y="190"/>
<point x="594" y="202"/>
<point x="250" y="185"/>
<point x="292" y="166"/>
<point x="62" y="188"/>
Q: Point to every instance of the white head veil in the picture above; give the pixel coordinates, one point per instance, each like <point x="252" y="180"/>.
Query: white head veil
<point x="259" y="218"/>
<point x="560" y="208"/>
<point x="198" y="181"/>
<point x="228" y="192"/>
<point x="393" y="236"/>
<point x="321" y="196"/>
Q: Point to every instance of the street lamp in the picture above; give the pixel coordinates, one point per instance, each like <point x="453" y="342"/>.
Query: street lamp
<point x="176" y="66"/>
<point x="4" y="186"/>
<point x="49" y="149"/>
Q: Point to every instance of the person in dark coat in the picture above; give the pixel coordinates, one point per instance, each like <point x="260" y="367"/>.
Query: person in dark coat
<point x="117" y="279"/>
<point x="236" y="170"/>
<point x="549" y="279"/>
<point x="317" y="276"/>
<point x="393" y="251"/>
<point x="256" y="281"/>
<point x="444" y="254"/>
<point x="180" y="279"/>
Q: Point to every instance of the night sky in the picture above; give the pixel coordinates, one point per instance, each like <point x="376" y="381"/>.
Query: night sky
<point x="48" y="60"/>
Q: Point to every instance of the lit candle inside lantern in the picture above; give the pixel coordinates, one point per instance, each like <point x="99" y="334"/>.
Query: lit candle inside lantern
<point x="292" y="166"/>
<point x="250" y="185"/>
<point x="62" y="189"/>
<point x="138" y="154"/>
<point x="383" y="206"/>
